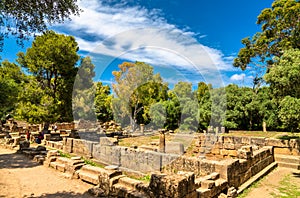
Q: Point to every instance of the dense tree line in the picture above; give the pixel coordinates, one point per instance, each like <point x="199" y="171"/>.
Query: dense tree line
<point x="40" y="86"/>
<point x="55" y="75"/>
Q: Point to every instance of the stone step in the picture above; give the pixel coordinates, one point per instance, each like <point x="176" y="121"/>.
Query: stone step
<point x="256" y="177"/>
<point x="211" y="188"/>
<point x="58" y="166"/>
<point x="289" y="165"/>
<point x="68" y="161"/>
<point x="287" y="159"/>
<point x="91" y="169"/>
<point x="89" y="177"/>
<point x="115" y="179"/>
<point x="203" y="193"/>
<point x="128" y="182"/>
<point x="121" y="191"/>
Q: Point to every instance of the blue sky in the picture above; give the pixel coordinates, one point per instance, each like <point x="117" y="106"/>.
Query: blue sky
<point x="187" y="40"/>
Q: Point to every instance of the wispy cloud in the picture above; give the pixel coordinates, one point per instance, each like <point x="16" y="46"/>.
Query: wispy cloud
<point x="136" y="33"/>
<point x="238" y="77"/>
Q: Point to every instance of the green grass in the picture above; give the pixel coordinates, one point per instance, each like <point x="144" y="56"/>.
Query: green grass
<point x="248" y="190"/>
<point x="145" y="178"/>
<point x="288" y="188"/>
<point x="288" y="137"/>
<point x="154" y="137"/>
<point x="92" y="163"/>
<point x="62" y="154"/>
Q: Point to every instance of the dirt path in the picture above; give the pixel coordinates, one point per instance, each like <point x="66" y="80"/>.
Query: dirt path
<point x="20" y="177"/>
<point x="269" y="186"/>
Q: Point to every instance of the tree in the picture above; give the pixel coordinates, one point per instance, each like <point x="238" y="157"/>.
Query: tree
<point x="284" y="76"/>
<point x="84" y="91"/>
<point x="51" y="60"/>
<point x="24" y="18"/>
<point x="188" y="106"/>
<point x="11" y="77"/>
<point x="280" y="27"/>
<point x="289" y="113"/>
<point x="137" y="88"/>
<point x="35" y="105"/>
<point x="103" y="100"/>
<point x="158" y="115"/>
<point x="204" y="102"/>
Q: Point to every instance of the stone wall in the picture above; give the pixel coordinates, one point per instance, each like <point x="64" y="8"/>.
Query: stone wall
<point x="108" y="153"/>
<point x="199" y="166"/>
<point x="227" y="146"/>
<point x="235" y="171"/>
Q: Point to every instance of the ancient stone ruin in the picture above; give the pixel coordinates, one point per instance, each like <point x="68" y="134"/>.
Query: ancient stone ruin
<point x="220" y="166"/>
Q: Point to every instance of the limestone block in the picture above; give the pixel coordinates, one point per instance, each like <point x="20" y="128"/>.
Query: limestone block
<point x="233" y="153"/>
<point x="246" y="140"/>
<point x="52" y="153"/>
<point x="215" y="151"/>
<point x="283" y="151"/>
<point x="277" y="142"/>
<point x="228" y="139"/>
<point x="231" y="193"/>
<point x="229" y="146"/>
<point x="203" y="193"/>
<point x="174" y="147"/>
<point x="260" y="141"/>
<point x="178" y="185"/>
<point x="208" y="184"/>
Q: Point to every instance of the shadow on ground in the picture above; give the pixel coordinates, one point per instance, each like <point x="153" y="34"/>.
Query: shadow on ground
<point x="15" y="160"/>
<point x="64" y="194"/>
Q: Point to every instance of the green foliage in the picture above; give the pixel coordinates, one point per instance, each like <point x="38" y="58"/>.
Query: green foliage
<point x="51" y="60"/>
<point x="284" y="75"/>
<point x="92" y="163"/>
<point x="103" y="100"/>
<point x="35" y="106"/>
<point x="188" y="106"/>
<point x="288" y="137"/>
<point x="204" y="102"/>
<point x="62" y="154"/>
<point x="173" y="111"/>
<point x="289" y="113"/>
<point x="23" y="18"/>
<point x="137" y="88"/>
<point x="280" y="30"/>
<point x="158" y="115"/>
<point x="11" y="78"/>
<point x="84" y="91"/>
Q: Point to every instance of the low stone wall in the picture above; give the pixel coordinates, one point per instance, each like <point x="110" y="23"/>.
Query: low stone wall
<point x="235" y="171"/>
<point x="107" y="153"/>
<point x="199" y="166"/>
<point x="227" y="146"/>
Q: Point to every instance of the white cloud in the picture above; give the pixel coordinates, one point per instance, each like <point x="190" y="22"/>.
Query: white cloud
<point x="237" y="77"/>
<point x="135" y="33"/>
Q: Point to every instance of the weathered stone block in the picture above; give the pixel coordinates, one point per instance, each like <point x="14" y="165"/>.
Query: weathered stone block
<point x="208" y="184"/>
<point x="260" y="141"/>
<point x="229" y="146"/>
<point x="228" y="139"/>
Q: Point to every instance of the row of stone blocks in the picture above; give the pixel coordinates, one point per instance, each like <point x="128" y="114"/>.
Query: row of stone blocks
<point x="288" y="161"/>
<point x="109" y="181"/>
<point x="228" y="144"/>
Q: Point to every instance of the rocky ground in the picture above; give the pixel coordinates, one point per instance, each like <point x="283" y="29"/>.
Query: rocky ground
<point x="20" y="177"/>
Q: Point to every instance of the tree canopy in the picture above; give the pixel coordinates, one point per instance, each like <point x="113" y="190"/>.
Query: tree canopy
<point x="51" y="60"/>
<point x="23" y="18"/>
<point x="280" y="30"/>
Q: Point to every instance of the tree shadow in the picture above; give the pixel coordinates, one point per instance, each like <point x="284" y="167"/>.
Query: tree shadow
<point x="16" y="160"/>
<point x="63" y="194"/>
